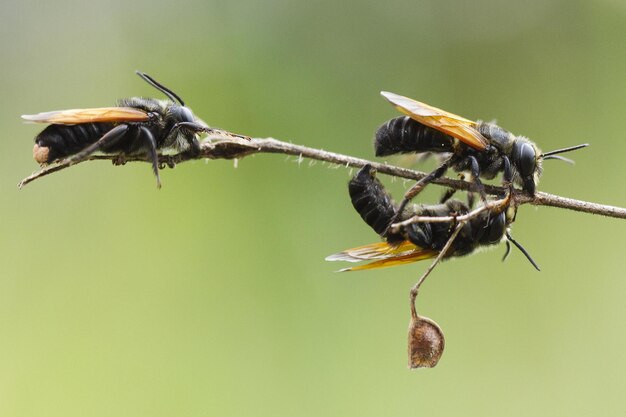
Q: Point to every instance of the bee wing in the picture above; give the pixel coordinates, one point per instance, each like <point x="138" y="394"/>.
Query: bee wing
<point x="77" y="116"/>
<point x="383" y="254"/>
<point x="378" y="250"/>
<point x="398" y="260"/>
<point x="448" y="123"/>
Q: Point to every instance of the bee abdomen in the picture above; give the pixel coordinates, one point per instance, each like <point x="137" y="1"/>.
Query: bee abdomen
<point x="371" y="200"/>
<point x="57" y="141"/>
<point x="403" y="135"/>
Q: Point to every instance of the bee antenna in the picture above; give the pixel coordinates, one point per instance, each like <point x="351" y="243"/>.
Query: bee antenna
<point x="561" y="158"/>
<point x="571" y="148"/>
<point x="169" y="93"/>
<point x="508" y="250"/>
<point x="521" y="248"/>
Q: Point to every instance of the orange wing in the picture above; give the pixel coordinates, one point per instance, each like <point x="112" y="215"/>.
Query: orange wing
<point x="383" y="255"/>
<point x="448" y="123"/>
<point x="78" y="116"/>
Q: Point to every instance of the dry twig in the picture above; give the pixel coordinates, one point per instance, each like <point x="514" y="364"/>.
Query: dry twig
<point x="447" y="219"/>
<point x="236" y="149"/>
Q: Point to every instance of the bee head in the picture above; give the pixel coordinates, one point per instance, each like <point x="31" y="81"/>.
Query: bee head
<point x="496" y="227"/>
<point x="525" y="159"/>
<point x="181" y="114"/>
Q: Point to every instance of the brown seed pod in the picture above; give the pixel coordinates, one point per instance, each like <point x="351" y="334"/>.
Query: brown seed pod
<point x="426" y="342"/>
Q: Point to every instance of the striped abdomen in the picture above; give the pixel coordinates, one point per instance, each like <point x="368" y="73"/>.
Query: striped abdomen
<point x="403" y="135"/>
<point x="371" y="200"/>
<point x="65" y="140"/>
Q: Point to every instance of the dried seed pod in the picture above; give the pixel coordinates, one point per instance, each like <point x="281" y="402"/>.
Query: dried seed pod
<point x="426" y="342"/>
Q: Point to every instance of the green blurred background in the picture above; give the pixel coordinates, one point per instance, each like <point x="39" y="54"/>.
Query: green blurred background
<point x="212" y="297"/>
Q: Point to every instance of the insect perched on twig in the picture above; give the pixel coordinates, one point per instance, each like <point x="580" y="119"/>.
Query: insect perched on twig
<point x="440" y="231"/>
<point x="481" y="149"/>
<point x="424" y="231"/>
<point x="137" y="126"/>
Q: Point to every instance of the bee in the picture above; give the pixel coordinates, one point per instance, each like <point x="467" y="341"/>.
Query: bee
<point x="419" y="241"/>
<point x="479" y="148"/>
<point x="137" y="126"/>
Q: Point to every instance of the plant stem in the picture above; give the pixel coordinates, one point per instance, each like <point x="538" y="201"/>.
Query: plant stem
<point x="237" y="148"/>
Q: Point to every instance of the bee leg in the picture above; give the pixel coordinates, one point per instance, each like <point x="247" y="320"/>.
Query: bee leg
<point x="447" y="195"/>
<point x="451" y="191"/>
<point x="167" y="161"/>
<point x="194" y="146"/>
<point x="418" y="187"/>
<point x="120" y="159"/>
<point x="148" y="137"/>
<point x="198" y="128"/>
<point x="507" y="176"/>
<point x="470" y="194"/>
<point x="107" y="139"/>
<point x="470" y="199"/>
<point x="507" y="182"/>
<point x="194" y="149"/>
<point x="475" y="170"/>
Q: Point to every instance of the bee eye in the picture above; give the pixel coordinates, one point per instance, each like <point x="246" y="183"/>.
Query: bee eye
<point x="186" y="114"/>
<point x="182" y="114"/>
<point x="497" y="225"/>
<point x="526" y="159"/>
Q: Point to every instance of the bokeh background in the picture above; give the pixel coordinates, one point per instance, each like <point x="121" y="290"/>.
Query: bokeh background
<point x="211" y="296"/>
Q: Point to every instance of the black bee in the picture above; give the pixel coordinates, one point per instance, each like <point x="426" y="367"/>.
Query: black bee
<point x="424" y="240"/>
<point x="482" y="149"/>
<point x="135" y="127"/>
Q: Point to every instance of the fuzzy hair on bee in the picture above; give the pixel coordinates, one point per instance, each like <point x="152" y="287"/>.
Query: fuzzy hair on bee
<point x="168" y="115"/>
<point x="137" y="126"/>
